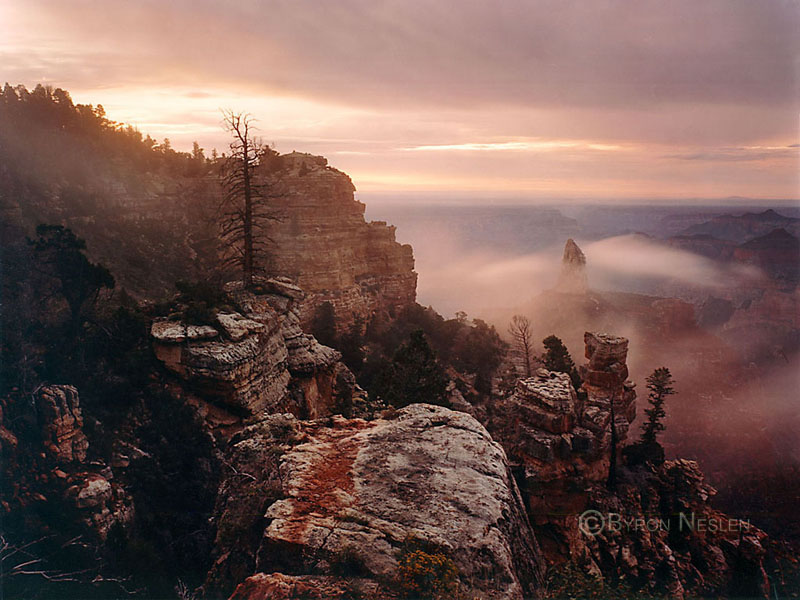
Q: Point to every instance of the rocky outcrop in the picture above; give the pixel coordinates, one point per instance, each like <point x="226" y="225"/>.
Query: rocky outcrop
<point x="357" y="491"/>
<point x="551" y="430"/>
<point x="61" y="423"/>
<point x="277" y="586"/>
<point x="50" y="472"/>
<point x="573" y="279"/>
<point x="323" y="243"/>
<point x="560" y="444"/>
<point x="658" y="532"/>
<point x="255" y="360"/>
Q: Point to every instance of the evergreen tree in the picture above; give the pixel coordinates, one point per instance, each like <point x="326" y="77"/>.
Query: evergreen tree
<point x="648" y="449"/>
<point x="323" y="326"/>
<point x="659" y="384"/>
<point x="557" y="358"/>
<point x="60" y="254"/>
<point x="611" y="482"/>
<point x="351" y="345"/>
<point x="415" y="375"/>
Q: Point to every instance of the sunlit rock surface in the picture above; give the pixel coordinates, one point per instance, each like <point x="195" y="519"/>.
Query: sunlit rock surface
<point x="256" y="360"/>
<point x="366" y="487"/>
<point x="323" y="243"/>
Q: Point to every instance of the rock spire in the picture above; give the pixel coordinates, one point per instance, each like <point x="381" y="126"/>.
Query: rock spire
<point x="573" y="270"/>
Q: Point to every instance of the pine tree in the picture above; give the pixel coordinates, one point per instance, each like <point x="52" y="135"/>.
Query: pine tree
<point x="647" y="448"/>
<point x="415" y="375"/>
<point x="61" y="255"/>
<point x="660" y="384"/>
<point x="556" y="358"/>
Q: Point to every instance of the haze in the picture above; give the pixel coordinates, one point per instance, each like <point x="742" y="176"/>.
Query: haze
<point x="566" y="100"/>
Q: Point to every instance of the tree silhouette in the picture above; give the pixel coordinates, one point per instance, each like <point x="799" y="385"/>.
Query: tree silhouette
<point x="557" y="358"/>
<point x="415" y="375"/>
<point x="60" y="254"/>
<point x="660" y="384"/>
<point x="611" y="482"/>
<point x="323" y="325"/>
<point x="522" y="336"/>
<point x="648" y="449"/>
<point x="244" y="210"/>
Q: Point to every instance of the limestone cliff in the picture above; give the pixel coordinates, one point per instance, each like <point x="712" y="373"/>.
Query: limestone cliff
<point x="254" y="360"/>
<point x="323" y="243"/>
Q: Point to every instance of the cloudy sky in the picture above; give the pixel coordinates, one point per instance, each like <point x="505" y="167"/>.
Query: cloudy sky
<point x="523" y="99"/>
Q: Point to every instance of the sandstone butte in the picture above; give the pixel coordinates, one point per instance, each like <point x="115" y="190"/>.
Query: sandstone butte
<point x="325" y="246"/>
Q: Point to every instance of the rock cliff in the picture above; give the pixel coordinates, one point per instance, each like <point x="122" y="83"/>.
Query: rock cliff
<point x="324" y="244"/>
<point x="357" y="491"/>
<point x="559" y="443"/>
<point x="255" y="359"/>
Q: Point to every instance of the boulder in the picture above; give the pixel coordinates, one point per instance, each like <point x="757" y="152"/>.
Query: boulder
<point x="363" y="489"/>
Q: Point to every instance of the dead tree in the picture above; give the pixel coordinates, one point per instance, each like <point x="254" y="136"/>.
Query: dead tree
<point x="244" y="212"/>
<point x="522" y="336"/>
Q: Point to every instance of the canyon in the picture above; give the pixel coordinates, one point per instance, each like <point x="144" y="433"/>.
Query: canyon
<point x="215" y="446"/>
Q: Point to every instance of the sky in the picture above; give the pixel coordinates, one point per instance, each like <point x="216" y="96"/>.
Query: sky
<point x="536" y="99"/>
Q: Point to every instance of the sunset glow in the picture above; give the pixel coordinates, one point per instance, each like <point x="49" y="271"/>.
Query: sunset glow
<point x="629" y="101"/>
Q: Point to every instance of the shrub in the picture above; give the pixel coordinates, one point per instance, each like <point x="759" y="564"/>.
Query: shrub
<point x="427" y="576"/>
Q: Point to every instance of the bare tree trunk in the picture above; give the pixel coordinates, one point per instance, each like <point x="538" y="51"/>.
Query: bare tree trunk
<point x="248" y="266"/>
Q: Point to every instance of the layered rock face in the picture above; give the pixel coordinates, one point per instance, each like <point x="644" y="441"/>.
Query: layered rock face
<point x="323" y="243"/>
<point x="560" y="444"/>
<point x="62" y="423"/>
<point x="358" y="490"/>
<point x="51" y="472"/>
<point x="572" y="279"/>
<point x="256" y="360"/>
<point x="551" y="430"/>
